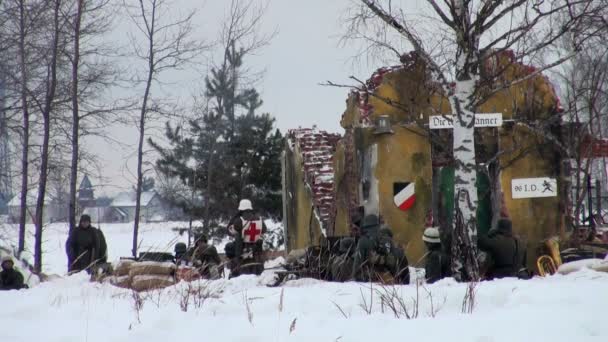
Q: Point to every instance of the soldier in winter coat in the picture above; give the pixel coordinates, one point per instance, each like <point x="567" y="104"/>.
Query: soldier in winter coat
<point x="508" y="254"/>
<point x="83" y="246"/>
<point x="10" y="278"/>
<point x="376" y="248"/>
<point x="437" y="263"/>
<point x="206" y="258"/>
<point x="247" y="229"/>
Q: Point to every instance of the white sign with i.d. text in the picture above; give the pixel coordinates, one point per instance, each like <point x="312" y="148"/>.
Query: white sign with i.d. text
<point x="533" y="187"/>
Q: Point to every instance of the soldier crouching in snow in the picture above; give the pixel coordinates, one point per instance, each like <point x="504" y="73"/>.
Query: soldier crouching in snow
<point x="376" y="251"/>
<point x="10" y="278"/>
<point x="206" y="259"/>
<point x="246" y="252"/>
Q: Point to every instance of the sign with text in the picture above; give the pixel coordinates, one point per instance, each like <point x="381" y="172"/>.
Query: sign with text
<point x="533" y="187"/>
<point x="481" y="120"/>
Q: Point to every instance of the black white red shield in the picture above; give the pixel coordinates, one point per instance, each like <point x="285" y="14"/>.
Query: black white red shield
<point x="404" y="195"/>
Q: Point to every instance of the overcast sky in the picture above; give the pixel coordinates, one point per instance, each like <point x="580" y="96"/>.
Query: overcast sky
<point x="304" y="53"/>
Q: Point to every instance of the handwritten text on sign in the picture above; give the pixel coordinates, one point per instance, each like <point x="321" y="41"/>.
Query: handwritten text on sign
<point x="481" y="120"/>
<point x="533" y="187"/>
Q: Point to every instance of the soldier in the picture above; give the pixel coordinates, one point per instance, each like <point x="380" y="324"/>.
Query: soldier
<point x="376" y="248"/>
<point x="10" y="278"/>
<point x="205" y="257"/>
<point x="507" y="252"/>
<point x="181" y="254"/>
<point x="342" y="264"/>
<point x="247" y="229"/>
<point x="395" y="260"/>
<point x="82" y="246"/>
<point x="437" y="263"/>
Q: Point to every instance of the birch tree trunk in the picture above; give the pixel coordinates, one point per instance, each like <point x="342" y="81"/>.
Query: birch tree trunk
<point x="140" y="148"/>
<point x="44" y="158"/>
<point x="26" y="129"/>
<point x="75" y="116"/>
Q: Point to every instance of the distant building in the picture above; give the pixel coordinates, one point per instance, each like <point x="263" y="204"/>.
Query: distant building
<point x="153" y="208"/>
<point x="55" y="208"/>
<point x="86" y="195"/>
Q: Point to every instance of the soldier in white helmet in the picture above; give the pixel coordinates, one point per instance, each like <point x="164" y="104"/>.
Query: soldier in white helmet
<point x="437" y="263"/>
<point x="247" y="229"/>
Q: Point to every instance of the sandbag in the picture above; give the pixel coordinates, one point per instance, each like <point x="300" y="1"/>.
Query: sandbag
<point x="150" y="282"/>
<point x="122" y="281"/>
<point x="152" y="268"/>
<point x="578" y="265"/>
<point x="123" y="267"/>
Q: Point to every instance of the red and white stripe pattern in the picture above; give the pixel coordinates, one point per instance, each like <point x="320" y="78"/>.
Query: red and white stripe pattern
<point x="405" y="198"/>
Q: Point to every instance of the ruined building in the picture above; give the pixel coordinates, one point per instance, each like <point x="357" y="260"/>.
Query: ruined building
<point x="390" y="162"/>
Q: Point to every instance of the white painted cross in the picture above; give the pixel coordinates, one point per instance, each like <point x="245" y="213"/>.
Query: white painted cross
<point x="481" y="120"/>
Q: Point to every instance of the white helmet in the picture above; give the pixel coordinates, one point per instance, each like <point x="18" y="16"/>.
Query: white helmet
<point x="245" y="204"/>
<point x="431" y="235"/>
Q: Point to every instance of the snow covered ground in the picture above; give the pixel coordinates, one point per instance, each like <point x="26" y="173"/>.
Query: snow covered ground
<point x="558" y="308"/>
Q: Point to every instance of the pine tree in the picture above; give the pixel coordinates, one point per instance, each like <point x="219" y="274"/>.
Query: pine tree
<point x="229" y="152"/>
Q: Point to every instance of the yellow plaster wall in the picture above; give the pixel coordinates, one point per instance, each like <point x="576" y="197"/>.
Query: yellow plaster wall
<point x="404" y="157"/>
<point x="300" y="204"/>
<point x="533" y="219"/>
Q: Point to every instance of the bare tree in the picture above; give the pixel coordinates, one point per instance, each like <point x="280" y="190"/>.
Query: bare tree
<point x="75" y="113"/>
<point x="46" y="109"/>
<point x="90" y="19"/>
<point x="165" y="44"/>
<point x="478" y="31"/>
<point x="26" y="125"/>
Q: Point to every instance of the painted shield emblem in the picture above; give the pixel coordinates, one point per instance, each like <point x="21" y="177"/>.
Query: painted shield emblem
<point x="404" y="195"/>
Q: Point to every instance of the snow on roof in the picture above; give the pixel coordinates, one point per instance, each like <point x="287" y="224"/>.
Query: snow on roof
<point x="32" y="197"/>
<point x="127" y="199"/>
<point x="317" y="149"/>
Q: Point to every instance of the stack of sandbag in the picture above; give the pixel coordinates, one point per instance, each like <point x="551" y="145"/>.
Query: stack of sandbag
<point x="120" y="276"/>
<point x="149" y="275"/>
<point x="142" y="276"/>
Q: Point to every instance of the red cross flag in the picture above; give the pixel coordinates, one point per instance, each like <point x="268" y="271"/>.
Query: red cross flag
<point x="404" y="195"/>
<point x="252" y="231"/>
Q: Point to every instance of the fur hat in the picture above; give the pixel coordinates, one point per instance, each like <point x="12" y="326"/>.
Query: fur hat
<point x="85" y="218"/>
<point x="7" y="259"/>
<point x="431" y="235"/>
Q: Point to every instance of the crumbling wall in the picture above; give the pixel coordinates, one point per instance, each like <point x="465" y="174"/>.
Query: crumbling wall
<point x="309" y="186"/>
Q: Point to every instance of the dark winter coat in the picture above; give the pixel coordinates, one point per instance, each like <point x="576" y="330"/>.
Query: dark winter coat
<point x="206" y="254"/>
<point x="376" y="248"/>
<point x="102" y="254"/>
<point x="437" y="264"/>
<point x="508" y="254"/>
<point x="11" y="279"/>
<point x="82" y="248"/>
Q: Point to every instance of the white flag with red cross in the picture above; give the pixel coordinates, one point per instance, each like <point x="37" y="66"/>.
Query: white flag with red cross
<point x="404" y="195"/>
<point x="252" y="231"/>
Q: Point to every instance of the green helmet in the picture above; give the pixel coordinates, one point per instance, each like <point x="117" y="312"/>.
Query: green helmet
<point x="180" y="248"/>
